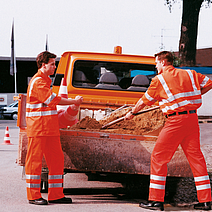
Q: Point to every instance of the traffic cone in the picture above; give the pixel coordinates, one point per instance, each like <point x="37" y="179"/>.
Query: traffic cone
<point x="7" y="137"/>
<point x="63" y="92"/>
<point x="67" y="115"/>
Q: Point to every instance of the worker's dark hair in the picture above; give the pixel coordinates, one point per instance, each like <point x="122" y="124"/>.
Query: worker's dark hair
<point x="44" y="57"/>
<point x="165" y="55"/>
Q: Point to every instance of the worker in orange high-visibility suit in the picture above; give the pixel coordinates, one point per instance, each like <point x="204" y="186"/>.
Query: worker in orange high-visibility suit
<point x="179" y="94"/>
<point x="43" y="134"/>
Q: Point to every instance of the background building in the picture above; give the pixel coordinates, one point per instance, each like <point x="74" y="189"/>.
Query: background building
<point x="26" y="67"/>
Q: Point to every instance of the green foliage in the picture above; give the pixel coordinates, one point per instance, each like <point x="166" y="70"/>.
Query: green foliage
<point x="177" y="61"/>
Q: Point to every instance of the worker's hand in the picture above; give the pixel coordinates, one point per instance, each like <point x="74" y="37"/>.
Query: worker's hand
<point x="79" y="100"/>
<point x="128" y="116"/>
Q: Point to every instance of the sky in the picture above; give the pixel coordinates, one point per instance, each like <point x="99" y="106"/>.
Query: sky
<point x="141" y="27"/>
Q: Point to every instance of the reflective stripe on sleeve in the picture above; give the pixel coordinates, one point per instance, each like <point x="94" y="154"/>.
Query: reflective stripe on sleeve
<point x="204" y="82"/>
<point x="149" y="97"/>
<point x="48" y="101"/>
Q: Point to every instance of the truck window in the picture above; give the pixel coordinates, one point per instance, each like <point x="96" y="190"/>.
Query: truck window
<point x="112" y="75"/>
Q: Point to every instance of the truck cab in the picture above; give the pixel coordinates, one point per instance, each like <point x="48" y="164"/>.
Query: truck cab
<point x="105" y="80"/>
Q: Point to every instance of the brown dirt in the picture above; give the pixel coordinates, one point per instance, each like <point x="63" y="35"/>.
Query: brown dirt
<point x="146" y="123"/>
<point x="87" y="123"/>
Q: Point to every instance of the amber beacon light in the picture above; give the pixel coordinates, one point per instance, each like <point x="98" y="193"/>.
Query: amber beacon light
<point x="117" y="49"/>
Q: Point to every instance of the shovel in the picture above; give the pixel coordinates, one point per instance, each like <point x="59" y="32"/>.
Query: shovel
<point x="122" y="118"/>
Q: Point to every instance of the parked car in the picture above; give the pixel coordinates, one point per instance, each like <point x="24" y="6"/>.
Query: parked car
<point x="11" y="111"/>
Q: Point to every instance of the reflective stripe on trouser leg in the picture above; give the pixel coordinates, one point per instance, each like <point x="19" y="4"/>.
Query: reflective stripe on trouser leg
<point x="197" y="163"/>
<point x="33" y="186"/>
<point x="157" y="187"/>
<point x="164" y="149"/>
<point x="33" y="167"/>
<point x="55" y="161"/>
<point x="203" y="188"/>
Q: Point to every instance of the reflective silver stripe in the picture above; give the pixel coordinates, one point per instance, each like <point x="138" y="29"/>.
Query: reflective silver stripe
<point x="32" y="83"/>
<point x="48" y="101"/>
<point x="183" y="103"/>
<point x="35" y="106"/>
<point x="41" y="113"/>
<point x="55" y="177"/>
<point x="156" y="177"/>
<point x="149" y="97"/>
<point x="33" y="185"/>
<point x="186" y="94"/>
<point x="204" y="82"/>
<point x="203" y="187"/>
<point x="32" y="177"/>
<point x="172" y="97"/>
<point x="165" y="86"/>
<point x="157" y="186"/>
<point x="202" y="178"/>
<point x="192" y="79"/>
<point x="55" y="185"/>
<point x="180" y="95"/>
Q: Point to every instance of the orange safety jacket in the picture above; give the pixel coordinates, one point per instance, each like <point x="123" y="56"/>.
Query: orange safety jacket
<point x="41" y="111"/>
<point x="176" y="90"/>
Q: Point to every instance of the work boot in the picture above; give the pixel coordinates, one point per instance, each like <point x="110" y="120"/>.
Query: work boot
<point x="64" y="200"/>
<point x="39" y="201"/>
<point x="203" y="206"/>
<point x="152" y="205"/>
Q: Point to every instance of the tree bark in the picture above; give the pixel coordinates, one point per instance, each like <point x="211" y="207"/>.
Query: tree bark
<point x="189" y="28"/>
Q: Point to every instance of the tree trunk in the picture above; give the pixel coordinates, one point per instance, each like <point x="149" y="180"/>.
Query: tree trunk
<point x="189" y="27"/>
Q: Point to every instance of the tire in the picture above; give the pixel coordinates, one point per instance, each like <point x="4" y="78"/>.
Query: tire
<point x="136" y="186"/>
<point x="180" y="191"/>
<point x="14" y="116"/>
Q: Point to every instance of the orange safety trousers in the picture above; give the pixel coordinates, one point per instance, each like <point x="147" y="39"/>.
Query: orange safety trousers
<point x="183" y="130"/>
<point x="50" y="148"/>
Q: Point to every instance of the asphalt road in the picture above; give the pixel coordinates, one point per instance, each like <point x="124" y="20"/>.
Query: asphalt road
<point x="87" y="195"/>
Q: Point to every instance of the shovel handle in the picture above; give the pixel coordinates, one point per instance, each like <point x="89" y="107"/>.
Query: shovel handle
<point x="122" y="118"/>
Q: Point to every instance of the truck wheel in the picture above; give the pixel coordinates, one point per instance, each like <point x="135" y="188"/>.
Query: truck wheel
<point x="181" y="191"/>
<point x="136" y="186"/>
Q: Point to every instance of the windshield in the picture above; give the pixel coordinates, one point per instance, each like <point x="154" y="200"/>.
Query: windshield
<point x="14" y="104"/>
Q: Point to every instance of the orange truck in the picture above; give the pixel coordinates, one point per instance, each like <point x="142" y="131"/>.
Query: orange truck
<point x="107" y="82"/>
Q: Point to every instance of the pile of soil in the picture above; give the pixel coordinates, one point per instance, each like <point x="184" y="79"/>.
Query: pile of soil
<point x="142" y="124"/>
<point x="87" y="123"/>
